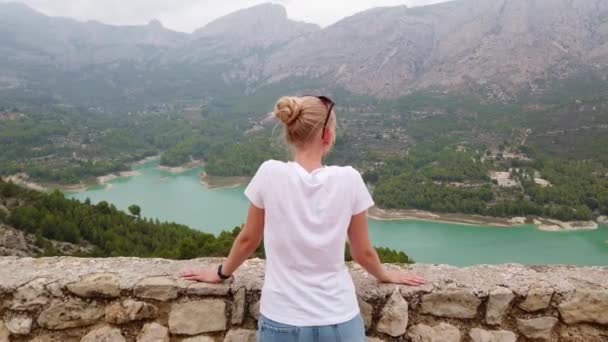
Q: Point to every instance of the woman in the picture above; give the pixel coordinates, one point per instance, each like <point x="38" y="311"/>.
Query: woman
<point x="305" y="211"/>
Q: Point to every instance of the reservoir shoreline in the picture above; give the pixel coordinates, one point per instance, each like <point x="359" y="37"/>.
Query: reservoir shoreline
<point x="428" y="237"/>
<point x="374" y="213"/>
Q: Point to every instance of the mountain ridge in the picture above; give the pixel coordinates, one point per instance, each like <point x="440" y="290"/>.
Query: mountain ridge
<point x="496" y="49"/>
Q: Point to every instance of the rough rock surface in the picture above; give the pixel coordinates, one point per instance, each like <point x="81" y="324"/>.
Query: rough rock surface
<point x="38" y="289"/>
<point x="586" y="306"/>
<point x="254" y="310"/>
<point x="499" y="303"/>
<point x="153" y="332"/>
<point x="202" y="289"/>
<point x="481" y="335"/>
<point x="453" y="303"/>
<point x="537" y="328"/>
<point x="394" y="316"/>
<point x="538" y="298"/>
<point x="159" y="288"/>
<point x="442" y="332"/>
<point x="238" y="306"/>
<point x="30" y="296"/>
<point x="96" y="285"/>
<point x="367" y="311"/>
<point x="582" y="332"/>
<point x="19" y="325"/>
<point x="4" y="332"/>
<point x="14" y="242"/>
<point x="71" y="314"/>
<point x="199" y="339"/>
<point x="197" y="317"/>
<point x="130" y="310"/>
<point x="104" y="334"/>
<point x="240" y="335"/>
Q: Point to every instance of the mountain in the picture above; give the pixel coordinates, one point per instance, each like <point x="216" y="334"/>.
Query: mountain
<point x="27" y="36"/>
<point x="261" y="25"/>
<point x="497" y="49"/>
<point x="507" y="44"/>
<point x="244" y="38"/>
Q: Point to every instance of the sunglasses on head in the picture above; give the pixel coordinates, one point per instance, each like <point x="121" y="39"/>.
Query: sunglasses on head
<point x="330" y="106"/>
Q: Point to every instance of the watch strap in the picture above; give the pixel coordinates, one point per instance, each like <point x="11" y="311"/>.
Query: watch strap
<point x="220" y="274"/>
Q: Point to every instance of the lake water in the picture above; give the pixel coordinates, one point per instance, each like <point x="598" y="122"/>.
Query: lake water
<point x="181" y="198"/>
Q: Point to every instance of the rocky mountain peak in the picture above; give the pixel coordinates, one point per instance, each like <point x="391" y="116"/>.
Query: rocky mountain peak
<point x="262" y="23"/>
<point x="156" y="24"/>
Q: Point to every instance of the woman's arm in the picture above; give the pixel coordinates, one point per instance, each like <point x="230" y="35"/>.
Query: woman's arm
<point x="244" y="245"/>
<point x="365" y="255"/>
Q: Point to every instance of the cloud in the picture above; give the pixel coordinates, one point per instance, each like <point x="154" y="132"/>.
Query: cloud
<point x="188" y="15"/>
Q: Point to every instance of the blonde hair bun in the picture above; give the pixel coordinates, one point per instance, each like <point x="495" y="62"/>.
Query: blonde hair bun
<point x="288" y="109"/>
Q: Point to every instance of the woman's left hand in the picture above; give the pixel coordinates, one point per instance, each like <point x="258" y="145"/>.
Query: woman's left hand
<point x="208" y="275"/>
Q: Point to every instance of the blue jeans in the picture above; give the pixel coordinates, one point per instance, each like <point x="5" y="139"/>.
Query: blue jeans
<point x="271" y="331"/>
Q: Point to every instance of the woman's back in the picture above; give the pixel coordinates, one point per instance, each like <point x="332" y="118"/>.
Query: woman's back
<point x="307" y="215"/>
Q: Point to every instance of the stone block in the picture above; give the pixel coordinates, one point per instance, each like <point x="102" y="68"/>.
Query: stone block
<point x="204" y="289"/>
<point x="538" y="298"/>
<point x="537" y="328"/>
<point x="442" y="332"/>
<point x="482" y="335"/>
<point x="19" y="324"/>
<point x="199" y="339"/>
<point x="581" y="332"/>
<point x="130" y="310"/>
<point x="70" y="314"/>
<point x="453" y="303"/>
<point x="238" y="307"/>
<point x="30" y="296"/>
<point x="197" y="317"/>
<point x="153" y="332"/>
<point x="104" y="334"/>
<point x="499" y="303"/>
<point x="4" y="332"/>
<point x="104" y="285"/>
<point x="240" y="335"/>
<point x="254" y="310"/>
<point x="586" y="306"/>
<point x="55" y="289"/>
<point x="367" y="311"/>
<point x="394" y="316"/>
<point x="159" y="288"/>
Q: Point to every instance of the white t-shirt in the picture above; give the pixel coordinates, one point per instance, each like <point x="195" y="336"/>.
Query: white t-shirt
<point x="306" y="222"/>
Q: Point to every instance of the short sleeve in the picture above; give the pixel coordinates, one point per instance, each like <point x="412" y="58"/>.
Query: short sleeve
<point x="255" y="189"/>
<point x="362" y="200"/>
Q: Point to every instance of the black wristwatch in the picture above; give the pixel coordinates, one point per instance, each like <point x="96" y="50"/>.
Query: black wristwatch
<point x="222" y="275"/>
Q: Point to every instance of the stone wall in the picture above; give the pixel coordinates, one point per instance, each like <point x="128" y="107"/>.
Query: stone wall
<point x="124" y="299"/>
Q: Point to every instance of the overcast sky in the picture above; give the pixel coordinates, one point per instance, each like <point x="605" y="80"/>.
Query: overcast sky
<point x="188" y="15"/>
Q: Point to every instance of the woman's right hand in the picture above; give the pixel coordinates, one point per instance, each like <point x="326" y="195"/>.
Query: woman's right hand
<point x="402" y="278"/>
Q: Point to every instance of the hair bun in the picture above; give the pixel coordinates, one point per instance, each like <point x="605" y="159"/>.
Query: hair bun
<point x="288" y="109"/>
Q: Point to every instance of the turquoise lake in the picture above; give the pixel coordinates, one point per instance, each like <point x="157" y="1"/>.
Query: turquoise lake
<point x="181" y="198"/>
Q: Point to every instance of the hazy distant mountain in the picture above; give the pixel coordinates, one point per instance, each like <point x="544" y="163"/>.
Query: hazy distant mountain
<point x="497" y="48"/>
<point x="261" y="25"/>
<point x="249" y="33"/>
<point x="27" y="36"/>
<point x="506" y="43"/>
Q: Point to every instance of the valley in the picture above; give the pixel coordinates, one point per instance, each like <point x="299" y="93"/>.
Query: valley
<point x="491" y="113"/>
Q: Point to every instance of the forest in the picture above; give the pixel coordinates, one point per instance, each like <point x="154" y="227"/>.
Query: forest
<point x="115" y="233"/>
<point x="457" y="182"/>
<point x="422" y="151"/>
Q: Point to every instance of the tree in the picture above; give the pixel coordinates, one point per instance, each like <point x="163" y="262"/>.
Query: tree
<point x="135" y="210"/>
